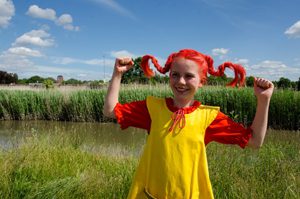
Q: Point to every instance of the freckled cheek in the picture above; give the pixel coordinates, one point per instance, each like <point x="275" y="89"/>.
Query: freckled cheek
<point x="171" y="83"/>
<point x="192" y="81"/>
<point x="173" y="80"/>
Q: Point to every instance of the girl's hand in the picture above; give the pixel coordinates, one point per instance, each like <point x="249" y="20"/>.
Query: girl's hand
<point x="122" y="65"/>
<point x="263" y="88"/>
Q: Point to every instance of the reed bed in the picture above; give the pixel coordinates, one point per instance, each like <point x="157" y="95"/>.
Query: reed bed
<point x="57" y="166"/>
<point x="86" y="105"/>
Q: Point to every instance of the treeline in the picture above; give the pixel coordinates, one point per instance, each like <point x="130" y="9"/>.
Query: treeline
<point x="72" y="81"/>
<point x="136" y="75"/>
<point x="8" y="78"/>
<point x="87" y="105"/>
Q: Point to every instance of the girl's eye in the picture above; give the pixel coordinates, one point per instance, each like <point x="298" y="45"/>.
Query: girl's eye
<point x="189" y="76"/>
<point x="174" y="75"/>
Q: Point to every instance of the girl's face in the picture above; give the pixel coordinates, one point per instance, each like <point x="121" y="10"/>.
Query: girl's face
<point x="184" y="80"/>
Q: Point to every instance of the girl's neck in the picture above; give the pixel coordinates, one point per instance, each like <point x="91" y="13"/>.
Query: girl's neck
<point x="183" y="103"/>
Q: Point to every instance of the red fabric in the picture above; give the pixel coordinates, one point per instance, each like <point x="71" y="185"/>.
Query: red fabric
<point x="133" y="114"/>
<point x="223" y="129"/>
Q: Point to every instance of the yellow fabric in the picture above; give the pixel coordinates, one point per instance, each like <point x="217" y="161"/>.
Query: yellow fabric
<point x="174" y="164"/>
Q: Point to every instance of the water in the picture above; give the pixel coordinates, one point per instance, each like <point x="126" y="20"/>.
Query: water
<point x="94" y="137"/>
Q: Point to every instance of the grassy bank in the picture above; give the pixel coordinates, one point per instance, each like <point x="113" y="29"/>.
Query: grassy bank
<point x="86" y="105"/>
<point x="57" y="166"/>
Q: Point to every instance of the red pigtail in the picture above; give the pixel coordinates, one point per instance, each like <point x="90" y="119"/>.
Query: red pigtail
<point x="200" y="59"/>
<point x="239" y="71"/>
<point x="146" y="68"/>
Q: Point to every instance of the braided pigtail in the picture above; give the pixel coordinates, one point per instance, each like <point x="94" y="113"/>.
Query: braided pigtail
<point x="205" y="62"/>
<point x="239" y="71"/>
<point x="146" y="68"/>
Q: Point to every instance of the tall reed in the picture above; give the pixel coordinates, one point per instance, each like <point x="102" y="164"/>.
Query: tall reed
<point x="86" y="105"/>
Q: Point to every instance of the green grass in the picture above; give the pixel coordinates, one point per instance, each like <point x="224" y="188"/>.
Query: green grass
<point x="55" y="167"/>
<point x="271" y="172"/>
<point x="58" y="166"/>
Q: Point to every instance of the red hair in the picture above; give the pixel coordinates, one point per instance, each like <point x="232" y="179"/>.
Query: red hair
<point x="205" y="63"/>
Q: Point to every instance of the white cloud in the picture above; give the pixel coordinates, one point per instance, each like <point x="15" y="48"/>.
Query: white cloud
<point x="96" y="62"/>
<point x="65" y="20"/>
<point x="220" y="52"/>
<point x="37" y="12"/>
<point x="17" y="57"/>
<point x="294" y="30"/>
<point x="92" y="62"/>
<point x="23" y="51"/>
<point x="242" y="61"/>
<point x="7" y="11"/>
<point x="122" y="53"/>
<point x="53" y="71"/>
<point x="25" y="68"/>
<point x="65" y="60"/>
<point x="36" y="38"/>
<point x="13" y="62"/>
<point x="116" y="7"/>
<point x="82" y="75"/>
<point x="273" y="70"/>
<point x="71" y="27"/>
<point x="269" y="64"/>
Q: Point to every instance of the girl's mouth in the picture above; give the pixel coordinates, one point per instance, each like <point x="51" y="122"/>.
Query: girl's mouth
<point x="181" y="90"/>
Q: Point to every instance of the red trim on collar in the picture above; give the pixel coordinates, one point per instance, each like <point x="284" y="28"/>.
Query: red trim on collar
<point x="171" y="107"/>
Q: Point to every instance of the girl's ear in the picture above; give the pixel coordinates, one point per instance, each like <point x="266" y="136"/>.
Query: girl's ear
<point x="200" y="85"/>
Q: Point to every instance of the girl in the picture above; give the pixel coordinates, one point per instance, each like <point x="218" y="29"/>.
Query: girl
<point x="174" y="164"/>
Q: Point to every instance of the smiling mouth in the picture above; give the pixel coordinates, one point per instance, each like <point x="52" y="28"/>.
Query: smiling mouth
<point x="181" y="90"/>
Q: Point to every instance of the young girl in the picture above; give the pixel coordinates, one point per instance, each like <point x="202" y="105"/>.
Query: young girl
<point x="174" y="164"/>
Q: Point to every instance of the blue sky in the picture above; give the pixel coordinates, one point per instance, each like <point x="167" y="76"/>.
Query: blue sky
<point x="81" y="38"/>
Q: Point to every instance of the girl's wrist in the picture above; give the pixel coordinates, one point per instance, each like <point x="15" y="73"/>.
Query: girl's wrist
<point x="263" y="101"/>
<point x="117" y="74"/>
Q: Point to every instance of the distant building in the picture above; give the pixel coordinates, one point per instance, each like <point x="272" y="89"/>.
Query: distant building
<point x="60" y="79"/>
<point x="37" y="85"/>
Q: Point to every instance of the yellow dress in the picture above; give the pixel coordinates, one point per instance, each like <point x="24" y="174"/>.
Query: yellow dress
<point x="173" y="164"/>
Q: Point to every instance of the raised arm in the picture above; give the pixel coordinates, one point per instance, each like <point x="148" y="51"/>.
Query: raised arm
<point x="263" y="90"/>
<point x="112" y="96"/>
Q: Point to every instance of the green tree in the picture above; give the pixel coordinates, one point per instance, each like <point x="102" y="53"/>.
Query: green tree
<point x="162" y="79"/>
<point x="284" y="83"/>
<point x="22" y="81"/>
<point x="250" y="81"/>
<point x="35" y="79"/>
<point x="216" y="81"/>
<point x="51" y="78"/>
<point x="135" y="74"/>
<point x="8" y="78"/>
<point x="73" y="81"/>
<point x="298" y="84"/>
<point x="96" y="84"/>
<point x="48" y="83"/>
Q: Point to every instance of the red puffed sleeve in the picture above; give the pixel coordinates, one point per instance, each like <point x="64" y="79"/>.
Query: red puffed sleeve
<point x="224" y="130"/>
<point x="134" y="114"/>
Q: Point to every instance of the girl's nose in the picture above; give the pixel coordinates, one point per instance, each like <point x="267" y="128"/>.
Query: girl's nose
<point x="181" y="80"/>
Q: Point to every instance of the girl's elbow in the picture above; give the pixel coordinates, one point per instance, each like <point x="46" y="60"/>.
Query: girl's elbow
<point x="105" y="113"/>
<point x="108" y="113"/>
<point x="255" y="144"/>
